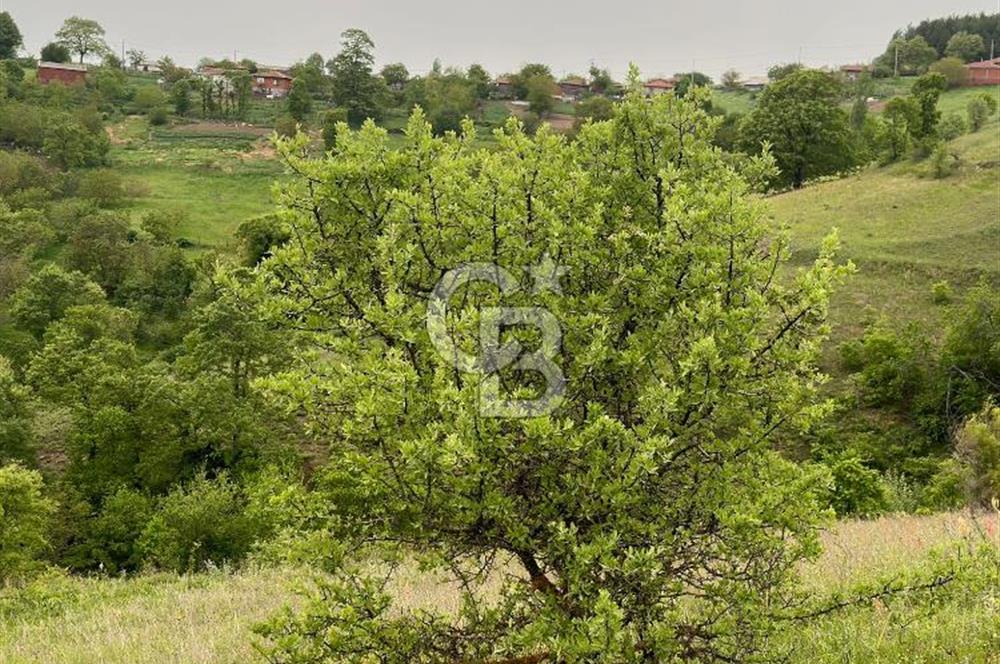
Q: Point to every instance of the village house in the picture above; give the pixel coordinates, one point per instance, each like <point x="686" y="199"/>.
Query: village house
<point x="985" y="72"/>
<point x="659" y="86"/>
<point x="272" y="83"/>
<point x="503" y="88"/>
<point x="754" y="83"/>
<point x="149" y="67"/>
<point x="573" y="88"/>
<point x="59" y="72"/>
<point x="854" y="72"/>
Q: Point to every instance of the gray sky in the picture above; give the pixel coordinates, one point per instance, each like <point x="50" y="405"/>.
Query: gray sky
<point x="662" y="37"/>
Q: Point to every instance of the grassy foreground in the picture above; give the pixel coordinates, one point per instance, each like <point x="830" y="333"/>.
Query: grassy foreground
<point x="208" y="617"/>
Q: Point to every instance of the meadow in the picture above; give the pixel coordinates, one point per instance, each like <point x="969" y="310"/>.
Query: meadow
<point x="208" y="618"/>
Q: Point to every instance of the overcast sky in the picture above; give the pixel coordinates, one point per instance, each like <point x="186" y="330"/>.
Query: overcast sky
<point x="661" y="36"/>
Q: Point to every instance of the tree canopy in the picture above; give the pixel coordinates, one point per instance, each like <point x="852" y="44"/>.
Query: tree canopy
<point x="82" y="36"/>
<point x="10" y="37"/>
<point x="799" y="117"/>
<point x="646" y="508"/>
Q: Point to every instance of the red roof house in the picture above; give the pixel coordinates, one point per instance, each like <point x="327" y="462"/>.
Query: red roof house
<point x="659" y="86"/>
<point x="573" y="87"/>
<point x="986" y="72"/>
<point x="59" y="72"/>
<point x="272" y="83"/>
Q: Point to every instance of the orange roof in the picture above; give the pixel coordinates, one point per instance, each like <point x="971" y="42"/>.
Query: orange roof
<point x="273" y="73"/>
<point x="984" y="64"/>
<point x="661" y="83"/>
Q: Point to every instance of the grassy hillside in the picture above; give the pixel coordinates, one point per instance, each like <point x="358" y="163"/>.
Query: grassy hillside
<point x="905" y="230"/>
<point x="208" y="618"/>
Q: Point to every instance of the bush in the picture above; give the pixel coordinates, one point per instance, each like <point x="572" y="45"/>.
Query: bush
<point x="24" y="519"/>
<point x="286" y="126"/>
<point x="941" y="292"/>
<point x="70" y="145"/>
<point x="198" y="524"/>
<point x="259" y="236"/>
<point x="104" y="187"/>
<point x="113" y="536"/>
<point x="889" y="365"/>
<point x="977" y="451"/>
<point x="149" y="97"/>
<point x="331" y="120"/>
<point x="857" y="489"/>
<point x="159" y="116"/>
<point x="952" y="69"/>
<point x="46" y="296"/>
<point x="22" y="125"/>
<point x="952" y="126"/>
<point x="944" y="162"/>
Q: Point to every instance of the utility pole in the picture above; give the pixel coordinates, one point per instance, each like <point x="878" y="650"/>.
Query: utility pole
<point x="992" y="44"/>
<point x="895" y="67"/>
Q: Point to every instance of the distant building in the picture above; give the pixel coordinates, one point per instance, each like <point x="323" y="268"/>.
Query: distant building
<point x="659" y="86"/>
<point x="573" y="88"/>
<point x="149" y="67"/>
<point x="503" y="88"/>
<point x="986" y="72"/>
<point x="854" y="72"/>
<point x="59" y="72"/>
<point x="272" y="83"/>
<point x="754" y="83"/>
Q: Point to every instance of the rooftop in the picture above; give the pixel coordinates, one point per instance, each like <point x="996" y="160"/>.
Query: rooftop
<point x="62" y="65"/>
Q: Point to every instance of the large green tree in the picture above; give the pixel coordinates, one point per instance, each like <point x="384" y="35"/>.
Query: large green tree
<point x="643" y="515"/>
<point x="10" y="37"/>
<point x="83" y="36"/>
<point x="800" y="118"/>
<point x="354" y="85"/>
<point x="965" y="46"/>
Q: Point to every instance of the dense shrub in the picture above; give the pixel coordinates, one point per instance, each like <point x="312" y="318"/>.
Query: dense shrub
<point x="952" y="126"/>
<point x="260" y="236"/>
<point x="69" y="144"/>
<point x="979" y="109"/>
<point x="104" y="187"/>
<point x="15" y="420"/>
<point x="24" y="520"/>
<point x="112" y="537"/>
<point x="857" y="489"/>
<point x="46" y="296"/>
<point x="200" y="523"/>
<point x="977" y="450"/>
<point x="890" y="365"/>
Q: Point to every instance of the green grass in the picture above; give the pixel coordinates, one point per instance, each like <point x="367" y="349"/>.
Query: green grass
<point x="733" y="101"/>
<point x="208" y="618"/>
<point x="905" y="230"/>
<point x="216" y="175"/>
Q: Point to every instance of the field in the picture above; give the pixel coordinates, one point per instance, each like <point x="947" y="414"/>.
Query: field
<point x="905" y="230"/>
<point x="161" y="619"/>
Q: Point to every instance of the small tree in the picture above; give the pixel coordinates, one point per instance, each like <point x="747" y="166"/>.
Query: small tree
<point x="688" y="80"/>
<point x="299" y="101"/>
<point x="648" y="517"/>
<point x="332" y="120"/>
<point x="965" y="47"/>
<point x="395" y="75"/>
<point x="55" y="52"/>
<point x="731" y="79"/>
<point x="135" y="57"/>
<point x="979" y="109"/>
<point x="600" y="80"/>
<point x="952" y="69"/>
<point x="180" y="96"/>
<point x="540" y="94"/>
<point x="82" y="36"/>
<point x="480" y="80"/>
<point x="10" y="37"/>
<point x="148" y="97"/>
<point x="24" y="520"/>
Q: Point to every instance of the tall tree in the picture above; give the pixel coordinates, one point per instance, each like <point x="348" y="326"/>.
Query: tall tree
<point x="965" y="46"/>
<point x="82" y="36"/>
<point x="354" y="86"/>
<point x="648" y="515"/>
<point x="10" y="37"/>
<point x="480" y="80"/>
<point x="800" y="117"/>
<point x="135" y="57"/>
